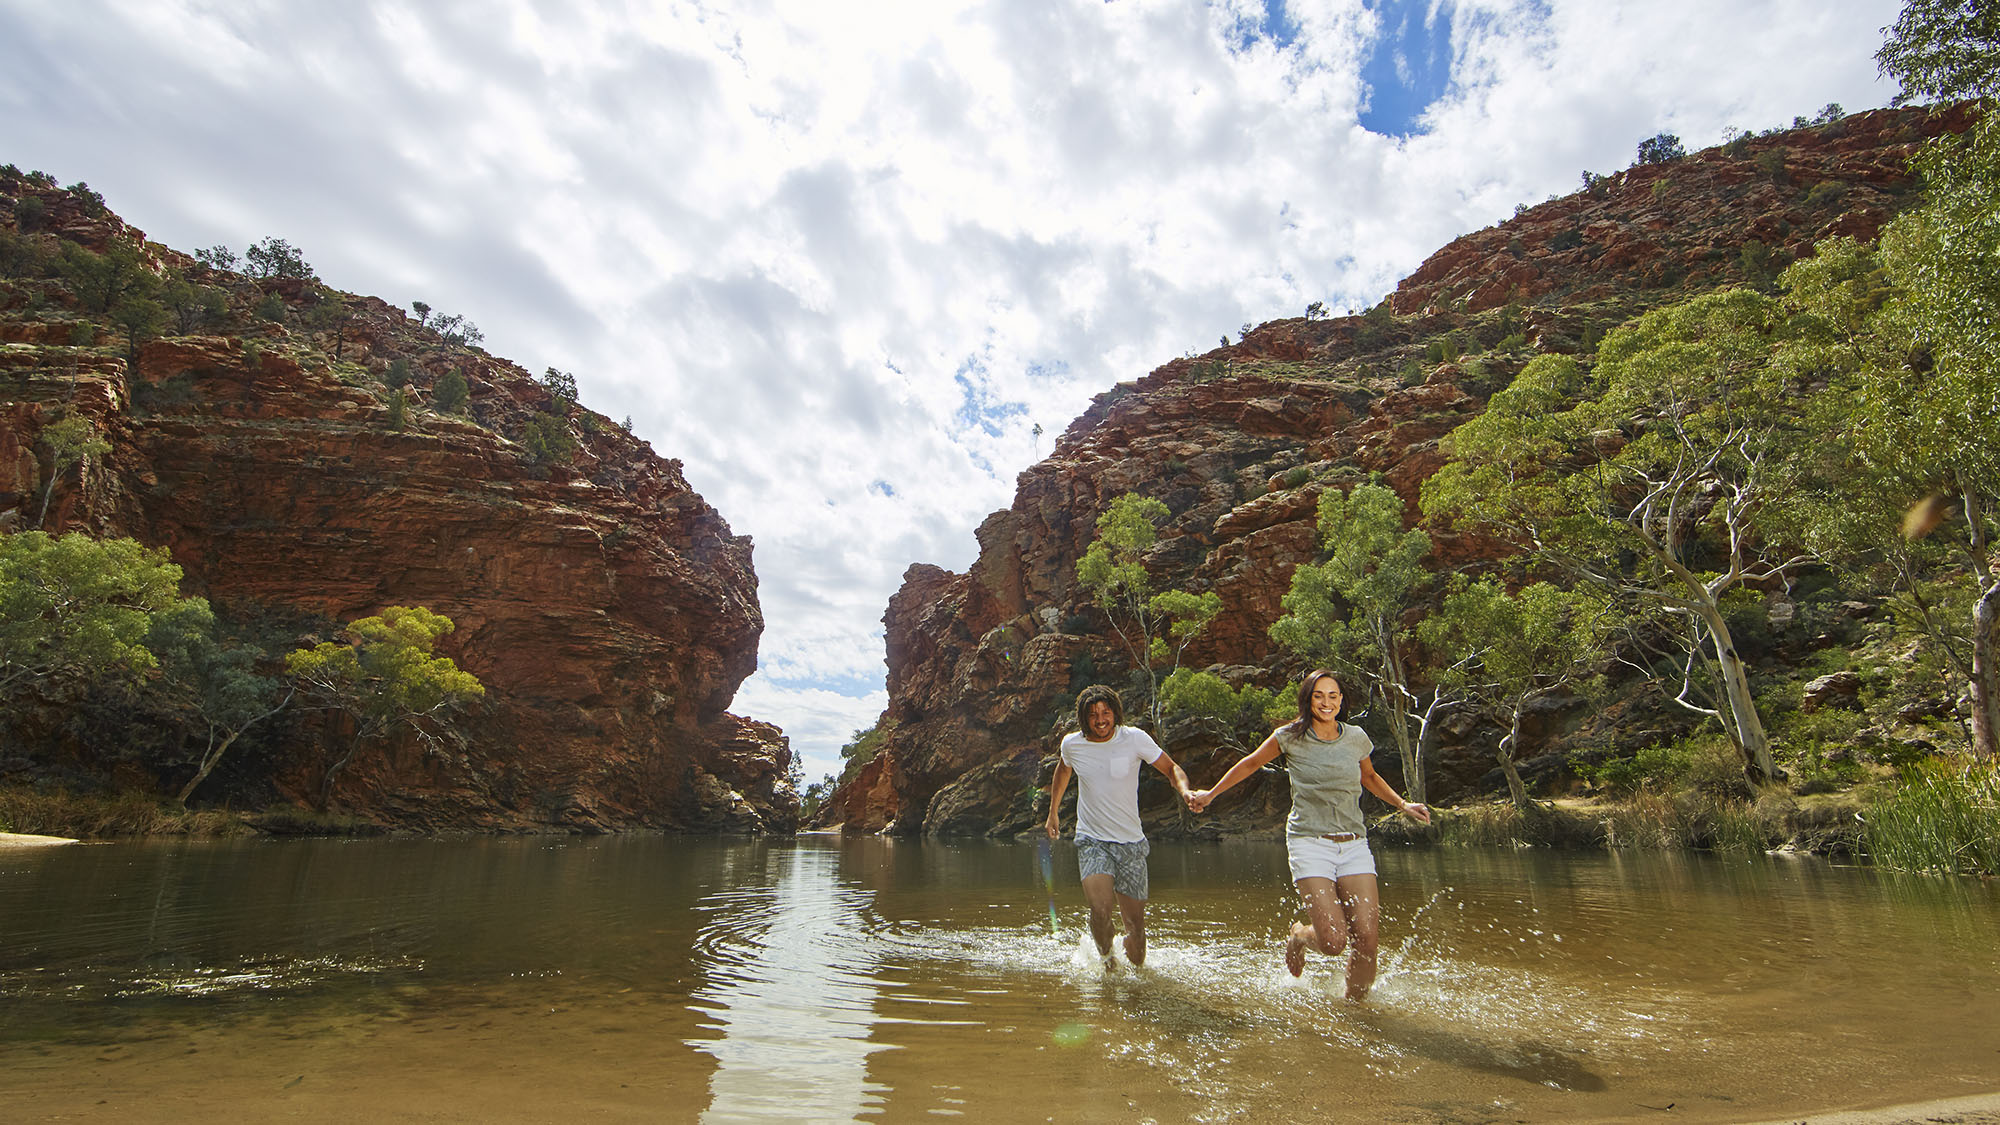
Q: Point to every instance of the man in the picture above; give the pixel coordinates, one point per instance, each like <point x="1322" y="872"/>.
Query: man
<point x="1111" y="848"/>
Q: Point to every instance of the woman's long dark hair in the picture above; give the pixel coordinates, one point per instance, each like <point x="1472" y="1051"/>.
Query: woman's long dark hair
<point x="1303" y="723"/>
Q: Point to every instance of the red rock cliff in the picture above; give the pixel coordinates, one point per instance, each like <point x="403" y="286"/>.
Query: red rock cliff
<point x="607" y="608"/>
<point x="1239" y="444"/>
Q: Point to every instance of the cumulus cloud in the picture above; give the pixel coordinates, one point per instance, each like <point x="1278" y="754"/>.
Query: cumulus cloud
<point x="842" y="260"/>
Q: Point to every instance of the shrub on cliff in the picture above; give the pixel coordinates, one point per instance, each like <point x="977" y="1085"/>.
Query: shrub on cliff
<point x="100" y="281"/>
<point x="1660" y="149"/>
<point x="274" y="257"/>
<point x="451" y="393"/>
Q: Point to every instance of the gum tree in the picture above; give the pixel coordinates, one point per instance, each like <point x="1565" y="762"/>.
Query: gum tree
<point x="1346" y="612"/>
<point x="1663" y="476"/>
<point x="383" y="675"/>
<point x="1522" y="648"/>
<point x="1155" y="628"/>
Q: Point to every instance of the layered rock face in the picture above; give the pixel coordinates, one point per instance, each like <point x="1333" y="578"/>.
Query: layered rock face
<point x="1241" y="442"/>
<point x="608" y="610"/>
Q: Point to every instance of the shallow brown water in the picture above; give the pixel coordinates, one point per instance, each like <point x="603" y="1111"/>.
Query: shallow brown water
<point x="824" y="980"/>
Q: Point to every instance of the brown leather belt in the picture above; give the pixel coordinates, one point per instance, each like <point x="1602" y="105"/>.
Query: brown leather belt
<point x="1341" y="837"/>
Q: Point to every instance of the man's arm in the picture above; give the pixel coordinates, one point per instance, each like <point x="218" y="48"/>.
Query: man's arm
<point x="1056" y="787"/>
<point x="1175" y="774"/>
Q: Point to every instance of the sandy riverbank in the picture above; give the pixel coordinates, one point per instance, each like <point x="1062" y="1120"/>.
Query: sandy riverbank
<point x="18" y="840"/>
<point x="1977" y="1109"/>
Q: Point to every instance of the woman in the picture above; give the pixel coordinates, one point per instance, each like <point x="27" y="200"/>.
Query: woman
<point x="1325" y="835"/>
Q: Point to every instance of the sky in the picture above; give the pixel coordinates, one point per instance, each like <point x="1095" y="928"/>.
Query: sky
<point x="857" y="264"/>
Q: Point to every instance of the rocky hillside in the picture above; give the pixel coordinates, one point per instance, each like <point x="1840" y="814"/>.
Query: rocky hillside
<point x="1239" y="444"/>
<point x="255" y="435"/>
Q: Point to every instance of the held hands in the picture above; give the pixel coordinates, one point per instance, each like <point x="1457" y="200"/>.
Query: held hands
<point x="1198" y="799"/>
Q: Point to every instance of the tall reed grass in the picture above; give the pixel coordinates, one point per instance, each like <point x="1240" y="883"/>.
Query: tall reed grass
<point x="1943" y="818"/>
<point x="100" y="816"/>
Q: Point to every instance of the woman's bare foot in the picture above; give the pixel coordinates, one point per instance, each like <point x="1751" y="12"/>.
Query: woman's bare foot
<point x="1295" y="950"/>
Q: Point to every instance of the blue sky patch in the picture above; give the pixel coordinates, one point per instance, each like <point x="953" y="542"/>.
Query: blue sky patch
<point x="1410" y="67"/>
<point x="978" y="406"/>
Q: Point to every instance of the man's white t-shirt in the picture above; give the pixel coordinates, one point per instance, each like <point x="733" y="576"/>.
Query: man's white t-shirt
<point x="1107" y="778"/>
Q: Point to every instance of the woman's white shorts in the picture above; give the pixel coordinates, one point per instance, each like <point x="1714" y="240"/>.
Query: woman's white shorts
<point x="1315" y="857"/>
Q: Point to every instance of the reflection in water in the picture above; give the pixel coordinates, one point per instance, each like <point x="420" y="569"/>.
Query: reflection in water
<point x="879" y="980"/>
<point x="791" y="988"/>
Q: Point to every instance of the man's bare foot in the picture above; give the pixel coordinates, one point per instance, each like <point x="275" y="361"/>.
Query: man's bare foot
<point x="1295" y="950"/>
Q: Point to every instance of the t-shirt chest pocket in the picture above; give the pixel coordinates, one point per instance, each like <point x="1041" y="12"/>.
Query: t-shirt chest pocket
<point x="1120" y="768"/>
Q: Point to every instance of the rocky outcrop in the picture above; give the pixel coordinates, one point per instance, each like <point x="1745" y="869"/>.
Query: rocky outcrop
<point x="1240" y="443"/>
<point x="607" y="608"/>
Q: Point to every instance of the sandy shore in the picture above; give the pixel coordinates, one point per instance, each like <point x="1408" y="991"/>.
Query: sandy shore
<point x="17" y="840"/>
<point x="1978" y="1109"/>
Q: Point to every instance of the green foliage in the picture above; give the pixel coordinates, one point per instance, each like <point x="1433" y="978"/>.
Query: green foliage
<point x="1155" y="628"/>
<point x="1661" y="148"/>
<point x="1680" y="471"/>
<point x="192" y="306"/>
<point x="100" y="281"/>
<point x="863" y="747"/>
<point x="561" y="387"/>
<point x="217" y="684"/>
<point x="30" y="212"/>
<point x="384" y="675"/>
<point x="274" y="257"/>
<point x="455" y="330"/>
<point x="77" y="607"/>
<point x="451" y="393"/>
<point x="217" y="257"/>
<point x="71" y="441"/>
<point x="1345" y="610"/>
<point x="1445" y="349"/>
<point x="1771" y="163"/>
<point x="1568" y="239"/>
<point x="272" y="308"/>
<point x="1317" y="311"/>
<point x="92" y="202"/>
<point x="1943" y="50"/>
<point x="399" y="410"/>
<point x="1660" y="767"/>
<point x="1943" y="818"/>
<point x="1826" y="195"/>
<point x="548" y="439"/>
<point x="1297" y="476"/>
<point x="1515" y="648"/>
<point x="1204" y="694"/>
<point x="141" y="319"/>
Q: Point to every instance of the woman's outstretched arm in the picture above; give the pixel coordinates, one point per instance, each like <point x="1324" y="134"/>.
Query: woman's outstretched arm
<point x="1245" y="766"/>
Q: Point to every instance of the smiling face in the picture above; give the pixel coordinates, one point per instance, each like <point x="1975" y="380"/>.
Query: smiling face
<point x="1324" y="702"/>
<point x="1099" y="722"/>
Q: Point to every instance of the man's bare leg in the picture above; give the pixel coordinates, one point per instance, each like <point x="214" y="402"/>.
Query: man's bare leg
<point x="1134" y="910"/>
<point x="1103" y="901"/>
